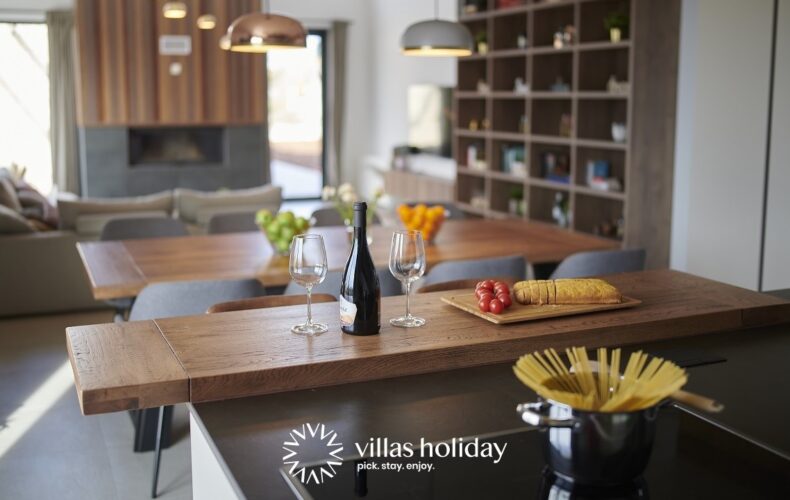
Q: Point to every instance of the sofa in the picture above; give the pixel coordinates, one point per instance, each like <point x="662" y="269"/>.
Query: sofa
<point x="41" y="271"/>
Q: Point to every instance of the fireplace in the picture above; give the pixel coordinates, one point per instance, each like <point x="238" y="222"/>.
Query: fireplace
<point x="177" y="146"/>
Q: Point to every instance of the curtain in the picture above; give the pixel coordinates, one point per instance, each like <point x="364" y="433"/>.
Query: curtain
<point x="337" y="97"/>
<point x="62" y="129"/>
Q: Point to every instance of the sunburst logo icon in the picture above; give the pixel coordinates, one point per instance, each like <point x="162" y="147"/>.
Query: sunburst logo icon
<point x="314" y="434"/>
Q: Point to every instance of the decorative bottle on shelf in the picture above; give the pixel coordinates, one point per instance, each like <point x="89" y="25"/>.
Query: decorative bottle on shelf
<point x="360" y="293"/>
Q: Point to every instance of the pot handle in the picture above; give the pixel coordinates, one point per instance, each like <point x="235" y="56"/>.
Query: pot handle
<point x="531" y="413"/>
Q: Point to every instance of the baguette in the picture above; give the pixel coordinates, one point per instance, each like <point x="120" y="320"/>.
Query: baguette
<point x="566" y="292"/>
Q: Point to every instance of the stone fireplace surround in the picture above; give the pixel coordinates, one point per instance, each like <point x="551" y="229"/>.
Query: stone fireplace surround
<point x="105" y="169"/>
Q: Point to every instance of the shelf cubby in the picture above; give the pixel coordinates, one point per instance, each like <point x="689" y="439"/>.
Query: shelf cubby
<point x="470" y="72"/>
<point x="596" y="66"/>
<point x="547" y="114"/>
<point x="473" y="109"/>
<point x="615" y="158"/>
<point x="548" y="68"/>
<point x="596" y="117"/>
<point x="594" y="214"/>
<point x="547" y="21"/>
<point x="507" y="29"/>
<point x="462" y="150"/>
<point x="469" y="186"/>
<point x="541" y="202"/>
<point x="498" y="156"/>
<point x="538" y="160"/>
<point x="508" y="114"/>
<point x="501" y="193"/>
<point x="593" y="15"/>
<point x="506" y="70"/>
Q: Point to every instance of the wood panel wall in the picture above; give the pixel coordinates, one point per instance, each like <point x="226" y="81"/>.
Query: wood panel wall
<point x="123" y="80"/>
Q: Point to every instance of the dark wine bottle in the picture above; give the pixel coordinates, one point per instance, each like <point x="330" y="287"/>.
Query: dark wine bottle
<point x="360" y="293"/>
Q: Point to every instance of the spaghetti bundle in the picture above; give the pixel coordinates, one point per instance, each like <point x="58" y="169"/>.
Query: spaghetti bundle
<point x="600" y="386"/>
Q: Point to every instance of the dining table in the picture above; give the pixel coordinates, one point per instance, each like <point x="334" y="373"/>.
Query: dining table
<point x="119" y="269"/>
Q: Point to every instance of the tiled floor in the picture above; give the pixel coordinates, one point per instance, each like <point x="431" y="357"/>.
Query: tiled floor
<point x="47" y="448"/>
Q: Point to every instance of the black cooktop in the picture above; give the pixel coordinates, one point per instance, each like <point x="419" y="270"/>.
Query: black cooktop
<point x="691" y="459"/>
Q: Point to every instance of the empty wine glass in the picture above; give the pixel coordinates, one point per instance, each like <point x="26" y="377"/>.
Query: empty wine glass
<point x="308" y="268"/>
<point x="407" y="264"/>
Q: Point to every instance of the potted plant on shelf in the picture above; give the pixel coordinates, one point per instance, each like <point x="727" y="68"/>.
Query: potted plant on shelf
<point x="617" y="24"/>
<point x="481" y="42"/>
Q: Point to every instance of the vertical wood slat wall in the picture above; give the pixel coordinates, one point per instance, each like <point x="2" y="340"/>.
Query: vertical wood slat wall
<point x="645" y="202"/>
<point x="123" y="80"/>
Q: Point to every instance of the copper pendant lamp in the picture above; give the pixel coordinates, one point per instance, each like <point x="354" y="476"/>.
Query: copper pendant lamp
<point x="260" y="32"/>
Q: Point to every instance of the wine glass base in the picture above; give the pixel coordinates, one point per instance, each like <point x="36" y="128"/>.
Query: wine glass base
<point x="311" y="329"/>
<point x="407" y="321"/>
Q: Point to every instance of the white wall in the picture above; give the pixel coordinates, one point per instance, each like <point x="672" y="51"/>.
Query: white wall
<point x="725" y="52"/>
<point x="776" y="270"/>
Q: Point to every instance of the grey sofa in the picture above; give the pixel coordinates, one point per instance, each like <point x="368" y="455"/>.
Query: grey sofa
<point x="41" y="272"/>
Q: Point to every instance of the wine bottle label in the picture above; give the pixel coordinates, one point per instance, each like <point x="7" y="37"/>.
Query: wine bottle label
<point x="348" y="311"/>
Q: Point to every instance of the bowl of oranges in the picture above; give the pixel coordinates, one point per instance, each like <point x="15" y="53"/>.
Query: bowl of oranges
<point x="420" y="217"/>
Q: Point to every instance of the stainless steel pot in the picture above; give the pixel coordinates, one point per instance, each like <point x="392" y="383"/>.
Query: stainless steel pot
<point x="591" y="447"/>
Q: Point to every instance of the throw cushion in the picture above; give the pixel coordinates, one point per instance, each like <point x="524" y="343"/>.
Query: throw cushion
<point x="11" y="222"/>
<point x="36" y="206"/>
<point x="195" y="206"/>
<point x="8" y="197"/>
<point x="71" y="210"/>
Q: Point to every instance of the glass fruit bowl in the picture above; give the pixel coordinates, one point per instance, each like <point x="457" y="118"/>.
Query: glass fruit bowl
<point x="280" y="229"/>
<point x="420" y="217"/>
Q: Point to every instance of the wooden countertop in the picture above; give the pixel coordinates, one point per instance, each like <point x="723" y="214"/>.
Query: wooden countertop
<point x="246" y="353"/>
<point x="122" y="268"/>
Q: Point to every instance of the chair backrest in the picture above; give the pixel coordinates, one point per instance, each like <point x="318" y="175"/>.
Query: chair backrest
<point x="600" y="263"/>
<point x="142" y="227"/>
<point x="328" y="216"/>
<point x="238" y="222"/>
<point x="389" y="285"/>
<point x="451" y="209"/>
<point x="185" y="298"/>
<point x="269" y="301"/>
<point x="460" y="284"/>
<point x="514" y="267"/>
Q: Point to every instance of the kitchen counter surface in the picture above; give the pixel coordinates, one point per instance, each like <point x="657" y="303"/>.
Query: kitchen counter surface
<point x="746" y="370"/>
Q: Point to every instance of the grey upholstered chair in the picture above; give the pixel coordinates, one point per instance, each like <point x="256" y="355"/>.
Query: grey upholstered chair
<point x="331" y="284"/>
<point x="600" y="263"/>
<point x="514" y="266"/>
<point x="451" y="209"/>
<point x="183" y="298"/>
<point x="328" y="216"/>
<point x="142" y="227"/>
<point x="238" y="222"/>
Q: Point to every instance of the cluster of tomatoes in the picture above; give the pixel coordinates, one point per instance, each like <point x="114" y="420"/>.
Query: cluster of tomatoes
<point x="493" y="296"/>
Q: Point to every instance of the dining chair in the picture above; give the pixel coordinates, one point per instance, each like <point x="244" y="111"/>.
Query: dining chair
<point x="600" y="263"/>
<point x="236" y="222"/>
<point x="451" y="209"/>
<point x="183" y="298"/>
<point x="329" y="216"/>
<point x="269" y="301"/>
<point x="514" y="266"/>
<point x="388" y="284"/>
<point x="460" y="284"/>
<point x="135" y="228"/>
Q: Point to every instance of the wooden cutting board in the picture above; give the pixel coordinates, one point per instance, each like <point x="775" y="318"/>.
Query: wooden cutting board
<point x="519" y="312"/>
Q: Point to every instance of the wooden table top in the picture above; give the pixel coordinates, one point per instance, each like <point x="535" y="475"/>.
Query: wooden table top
<point x="246" y="353"/>
<point x="122" y="268"/>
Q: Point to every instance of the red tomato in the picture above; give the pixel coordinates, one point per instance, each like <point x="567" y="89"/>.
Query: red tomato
<point x="488" y="284"/>
<point x="483" y="291"/>
<point x="484" y="305"/>
<point x="501" y="287"/>
<point x="505" y="299"/>
<point x="486" y="296"/>
<point x="496" y="307"/>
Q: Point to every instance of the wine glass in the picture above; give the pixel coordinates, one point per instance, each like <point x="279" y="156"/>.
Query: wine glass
<point x="407" y="264"/>
<point x="308" y="268"/>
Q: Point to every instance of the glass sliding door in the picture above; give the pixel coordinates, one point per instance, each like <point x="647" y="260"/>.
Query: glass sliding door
<point x="297" y="117"/>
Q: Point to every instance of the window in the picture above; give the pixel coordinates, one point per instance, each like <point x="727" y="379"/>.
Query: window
<point x="24" y="101"/>
<point x="297" y="93"/>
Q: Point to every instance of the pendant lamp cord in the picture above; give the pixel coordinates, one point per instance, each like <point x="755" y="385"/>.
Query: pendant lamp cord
<point x="436" y="9"/>
<point x="266" y="7"/>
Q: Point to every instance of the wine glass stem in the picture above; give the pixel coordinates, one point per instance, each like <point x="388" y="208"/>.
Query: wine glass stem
<point x="408" y="295"/>
<point x="309" y="305"/>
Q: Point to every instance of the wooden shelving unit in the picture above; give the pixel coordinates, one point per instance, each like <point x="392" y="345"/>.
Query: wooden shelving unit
<point x="503" y="116"/>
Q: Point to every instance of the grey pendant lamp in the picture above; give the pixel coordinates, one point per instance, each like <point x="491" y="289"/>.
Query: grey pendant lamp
<point x="436" y="38"/>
